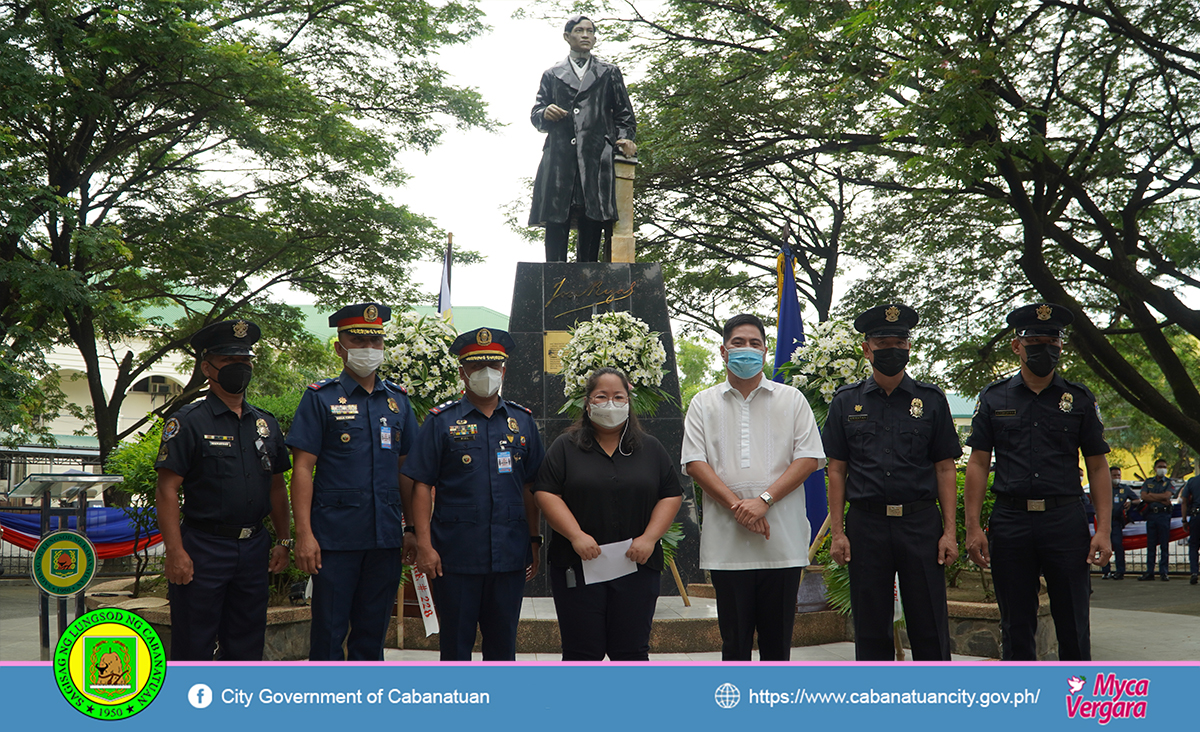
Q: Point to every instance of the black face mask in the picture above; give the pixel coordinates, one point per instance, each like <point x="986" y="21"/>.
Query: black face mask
<point x="890" y="361"/>
<point x="1042" y="358"/>
<point x="235" y="377"/>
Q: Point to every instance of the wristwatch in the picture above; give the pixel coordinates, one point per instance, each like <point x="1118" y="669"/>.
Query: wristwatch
<point x="536" y="539"/>
<point x="410" y="530"/>
<point x="286" y="543"/>
<point x="767" y="499"/>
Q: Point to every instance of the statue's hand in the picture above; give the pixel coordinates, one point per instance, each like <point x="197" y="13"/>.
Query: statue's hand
<point x="627" y="147"/>
<point x="554" y="113"/>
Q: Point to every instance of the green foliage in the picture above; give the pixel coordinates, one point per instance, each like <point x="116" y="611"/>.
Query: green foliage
<point x="134" y="462"/>
<point x="200" y="156"/>
<point x="999" y="153"/>
<point x="695" y="358"/>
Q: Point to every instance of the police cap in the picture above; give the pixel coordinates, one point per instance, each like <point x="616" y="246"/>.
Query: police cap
<point x="882" y="321"/>
<point x="364" y="318"/>
<point x="1040" y="319"/>
<point x="482" y="344"/>
<point x="226" y="338"/>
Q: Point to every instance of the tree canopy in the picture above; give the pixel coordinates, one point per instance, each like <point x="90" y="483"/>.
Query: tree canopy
<point x="1014" y="151"/>
<point x="206" y="154"/>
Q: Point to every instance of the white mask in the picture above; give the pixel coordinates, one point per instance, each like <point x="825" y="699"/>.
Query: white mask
<point x="1162" y="472"/>
<point x="364" y="361"/>
<point x="609" y="415"/>
<point x="485" y="382"/>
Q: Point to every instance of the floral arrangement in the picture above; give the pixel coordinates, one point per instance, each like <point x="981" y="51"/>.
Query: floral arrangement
<point x="623" y="342"/>
<point x="417" y="356"/>
<point x="830" y="358"/>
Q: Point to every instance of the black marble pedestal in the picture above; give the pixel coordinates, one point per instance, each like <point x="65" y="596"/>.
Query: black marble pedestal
<point x="554" y="296"/>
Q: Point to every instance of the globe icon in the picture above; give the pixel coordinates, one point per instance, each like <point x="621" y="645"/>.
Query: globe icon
<point x="727" y="696"/>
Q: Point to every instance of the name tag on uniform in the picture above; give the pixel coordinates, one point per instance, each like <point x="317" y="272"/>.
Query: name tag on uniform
<point x="1005" y="413"/>
<point x="385" y="437"/>
<point x="464" y="431"/>
<point x="504" y="461"/>
<point x="856" y="417"/>
<point x="343" y="409"/>
<point x="219" y="440"/>
<point x="344" y="417"/>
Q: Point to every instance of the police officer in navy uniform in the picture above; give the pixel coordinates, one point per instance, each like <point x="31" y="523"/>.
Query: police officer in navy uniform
<point x="479" y="541"/>
<point x="1123" y="498"/>
<point x="1189" y="502"/>
<point x="228" y="458"/>
<point x="1156" y="509"/>
<point x="1036" y="422"/>
<point x="355" y="430"/>
<point x="891" y="445"/>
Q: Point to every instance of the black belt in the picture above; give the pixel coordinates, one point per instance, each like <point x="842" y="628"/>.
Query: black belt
<point x="892" y="509"/>
<point x="1036" y="504"/>
<point x="223" y="530"/>
<point x="1158" y="508"/>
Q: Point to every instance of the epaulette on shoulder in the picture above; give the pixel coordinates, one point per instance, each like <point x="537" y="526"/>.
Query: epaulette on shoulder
<point x="320" y="384"/>
<point x="446" y="405"/>
<point x="1080" y="385"/>
<point x="398" y="387"/>
<point x="927" y="385"/>
<point x="264" y="411"/>
<point x="522" y="407"/>
<point x="186" y="408"/>
<point x="844" y="387"/>
<point x="994" y="383"/>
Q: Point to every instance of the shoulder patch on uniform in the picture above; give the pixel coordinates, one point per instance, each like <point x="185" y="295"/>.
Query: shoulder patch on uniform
<point x="438" y="409"/>
<point x="519" y="406"/>
<point x="320" y="384"/>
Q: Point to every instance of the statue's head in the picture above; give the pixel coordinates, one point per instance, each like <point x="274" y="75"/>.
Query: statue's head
<point x="580" y="33"/>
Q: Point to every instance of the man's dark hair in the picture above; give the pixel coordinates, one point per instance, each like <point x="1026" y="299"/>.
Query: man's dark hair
<point x="1160" y="460"/>
<point x="583" y="435"/>
<point x="575" y="20"/>
<point x="743" y="319"/>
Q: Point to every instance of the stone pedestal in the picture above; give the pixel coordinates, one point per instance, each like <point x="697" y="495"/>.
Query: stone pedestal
<point x="548" y="299"/>
<point x="623" y="249"/>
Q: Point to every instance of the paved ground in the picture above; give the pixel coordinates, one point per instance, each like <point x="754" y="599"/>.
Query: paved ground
<point x="1131" y="621"/>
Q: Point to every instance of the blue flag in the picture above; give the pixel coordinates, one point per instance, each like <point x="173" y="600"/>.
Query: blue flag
<point x="790" y="337"/>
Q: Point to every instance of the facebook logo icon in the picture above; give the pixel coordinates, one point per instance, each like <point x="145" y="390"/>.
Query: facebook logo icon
<point x="200" y="696"/>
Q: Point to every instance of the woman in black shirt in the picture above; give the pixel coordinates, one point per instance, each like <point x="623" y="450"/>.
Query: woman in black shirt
<point x="604" y="480"/>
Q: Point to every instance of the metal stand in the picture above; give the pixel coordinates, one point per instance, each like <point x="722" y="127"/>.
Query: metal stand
<point x="64" y="487"/>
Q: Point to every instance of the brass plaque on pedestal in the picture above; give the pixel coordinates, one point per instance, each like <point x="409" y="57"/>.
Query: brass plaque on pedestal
<point x="553" y="343"/>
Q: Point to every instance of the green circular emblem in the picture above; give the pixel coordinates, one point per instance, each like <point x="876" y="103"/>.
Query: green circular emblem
<point x="110" y="664"/>
<point x="64" y="563"/>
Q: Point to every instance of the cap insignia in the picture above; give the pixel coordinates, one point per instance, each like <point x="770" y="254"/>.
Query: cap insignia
<point x="892" y="314"/>
<point x="240" y="329"/>
<point x="371" y="313"/>
<point x="1044" y="312"/>
<point x="483" y="337"/>
<point x="917" y="409"/>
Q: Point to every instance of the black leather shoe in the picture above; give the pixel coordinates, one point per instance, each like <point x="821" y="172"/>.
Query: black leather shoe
<point x="1118" y="576"/>
<point x="1195" y="578"/>
<point x="1165" y="578"/>
<point x="1146" y="578"/>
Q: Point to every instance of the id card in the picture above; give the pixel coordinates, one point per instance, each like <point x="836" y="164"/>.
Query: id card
<point x="504" y="461"/>
<point x="385" y="437"/>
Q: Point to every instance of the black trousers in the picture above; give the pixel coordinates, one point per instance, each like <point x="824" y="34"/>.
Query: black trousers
<point x="1158" y="537"/>
<point x="756" y="599"/>
<point x="1117" y="537"/>
<point x="224" y="608"/>
<point x="881" y="547"/>
<point x="587" y="247"/>
<point x="490" y="601"/>
<point x="354" y="591"/>
<point x="1054" y="544"/>
<point x="608" y="618"/>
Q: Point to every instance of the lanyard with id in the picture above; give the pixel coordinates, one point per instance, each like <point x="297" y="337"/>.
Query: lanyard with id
<point x="504" y="461"/>
<point x="385" y="434"/>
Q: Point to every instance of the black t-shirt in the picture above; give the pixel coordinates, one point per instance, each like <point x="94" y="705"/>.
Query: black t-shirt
<point x="611" y="497"/>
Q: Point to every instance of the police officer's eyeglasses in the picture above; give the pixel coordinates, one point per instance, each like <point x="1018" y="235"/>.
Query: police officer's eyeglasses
<point x="263" y="458"/>
<point x="618" y="399"/>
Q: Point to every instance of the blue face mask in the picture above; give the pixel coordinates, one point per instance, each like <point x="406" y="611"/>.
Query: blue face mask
<point x="745" y="363"/>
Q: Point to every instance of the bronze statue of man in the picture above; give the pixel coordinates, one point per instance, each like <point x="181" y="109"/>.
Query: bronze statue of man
<point x="584" y="109"/>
